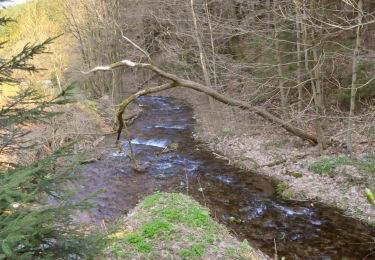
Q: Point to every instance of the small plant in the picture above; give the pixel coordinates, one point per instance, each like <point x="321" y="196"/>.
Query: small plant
<point x="195" y="251"/>
<point x="370" y="196"/>
<point x="326" y="166"/>
<point x="288" y="195"/>
<point x="281" y="187"/>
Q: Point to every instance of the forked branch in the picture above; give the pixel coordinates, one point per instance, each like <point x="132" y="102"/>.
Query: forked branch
<point x="180" y="82"/>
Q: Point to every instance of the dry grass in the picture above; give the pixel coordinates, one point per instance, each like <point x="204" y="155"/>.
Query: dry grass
<point x="78" y="123"/>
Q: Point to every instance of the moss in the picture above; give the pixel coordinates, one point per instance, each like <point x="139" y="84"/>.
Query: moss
<point x="281" y="187"/>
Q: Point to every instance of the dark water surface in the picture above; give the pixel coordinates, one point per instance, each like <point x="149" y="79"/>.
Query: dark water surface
<point x="300" y="230"/>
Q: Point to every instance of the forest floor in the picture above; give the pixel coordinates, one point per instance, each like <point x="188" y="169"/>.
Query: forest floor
<point x="334" y="179"/>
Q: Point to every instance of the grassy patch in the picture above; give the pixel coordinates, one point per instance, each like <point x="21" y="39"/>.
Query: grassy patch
<point x="193" y="252"/>
<point x="327" y="165"/>
<point x="367" y="164"/>
<point x="173" y="226"/>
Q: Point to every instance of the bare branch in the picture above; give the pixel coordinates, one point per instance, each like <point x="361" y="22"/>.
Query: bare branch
<point x="177" y="81"/>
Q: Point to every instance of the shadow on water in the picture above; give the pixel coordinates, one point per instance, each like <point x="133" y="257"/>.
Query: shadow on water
<point x="301" y="230"/>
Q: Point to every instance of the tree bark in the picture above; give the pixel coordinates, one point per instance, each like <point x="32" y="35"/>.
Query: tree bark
<point x="299" y="56"/>
<point x="353" y="90"/>
<point x="202" y="57"/>
<point x="278" y="58"/>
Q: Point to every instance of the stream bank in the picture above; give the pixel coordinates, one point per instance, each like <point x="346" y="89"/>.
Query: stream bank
<point x="246" y="203"/>
<point x="295" y="165"/>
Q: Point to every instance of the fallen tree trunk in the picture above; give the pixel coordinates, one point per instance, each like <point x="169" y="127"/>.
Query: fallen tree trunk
<point x="180" y="82"/>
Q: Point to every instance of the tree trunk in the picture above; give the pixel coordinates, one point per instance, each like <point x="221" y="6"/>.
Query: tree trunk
<point x="353" y="91"/>
<point x="201" y="53"/>
<point x="279" y="60"/>
<point x="299" y="57"/>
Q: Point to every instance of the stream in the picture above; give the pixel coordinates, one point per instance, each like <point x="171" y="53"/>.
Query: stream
<point x="301" y="230"/>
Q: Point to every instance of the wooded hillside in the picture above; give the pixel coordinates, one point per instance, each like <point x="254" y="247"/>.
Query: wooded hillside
<point x="310" y="63"/>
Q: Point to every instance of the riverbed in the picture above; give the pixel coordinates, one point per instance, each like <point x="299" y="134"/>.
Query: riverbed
<point x="244" y="201"/>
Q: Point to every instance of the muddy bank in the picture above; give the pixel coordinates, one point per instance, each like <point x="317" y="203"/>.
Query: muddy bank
<point x="247" y="203"/>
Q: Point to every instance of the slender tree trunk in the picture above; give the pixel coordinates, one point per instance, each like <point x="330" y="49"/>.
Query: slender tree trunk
<point x="315" y="79"/>
<point x="212" y="42"/>
<point x="318" y="97"/>
<point x="279" y="60"/>
<point x="353" y="91"/>
<point x="202" y="57"/>
<point x="299" y="57"/>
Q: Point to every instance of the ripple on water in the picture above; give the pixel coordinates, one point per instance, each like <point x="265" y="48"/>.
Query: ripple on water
<point x="225" y="179"/>
<point x="188" y="164"/>
<point x="255" y="210"/>
<point x="164" y="166"/>
<point x="161" y="143"/>
<point x="162" y="103"/>
<point x="179" y="127"/>
<point x="119" y="154"/>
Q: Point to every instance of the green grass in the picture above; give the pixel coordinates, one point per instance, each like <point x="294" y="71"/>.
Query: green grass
<point x="170" y="226"/>
<point x="327" y="165"/>
<point x="139" y="242"/>
<point x="367" y="164"/>
<point x="193" y="252"/>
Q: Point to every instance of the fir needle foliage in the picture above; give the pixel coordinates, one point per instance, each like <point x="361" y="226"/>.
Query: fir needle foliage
<point x="35" y="210"/>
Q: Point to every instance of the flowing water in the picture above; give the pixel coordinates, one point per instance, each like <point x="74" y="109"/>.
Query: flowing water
<point x="301" y="230"/>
